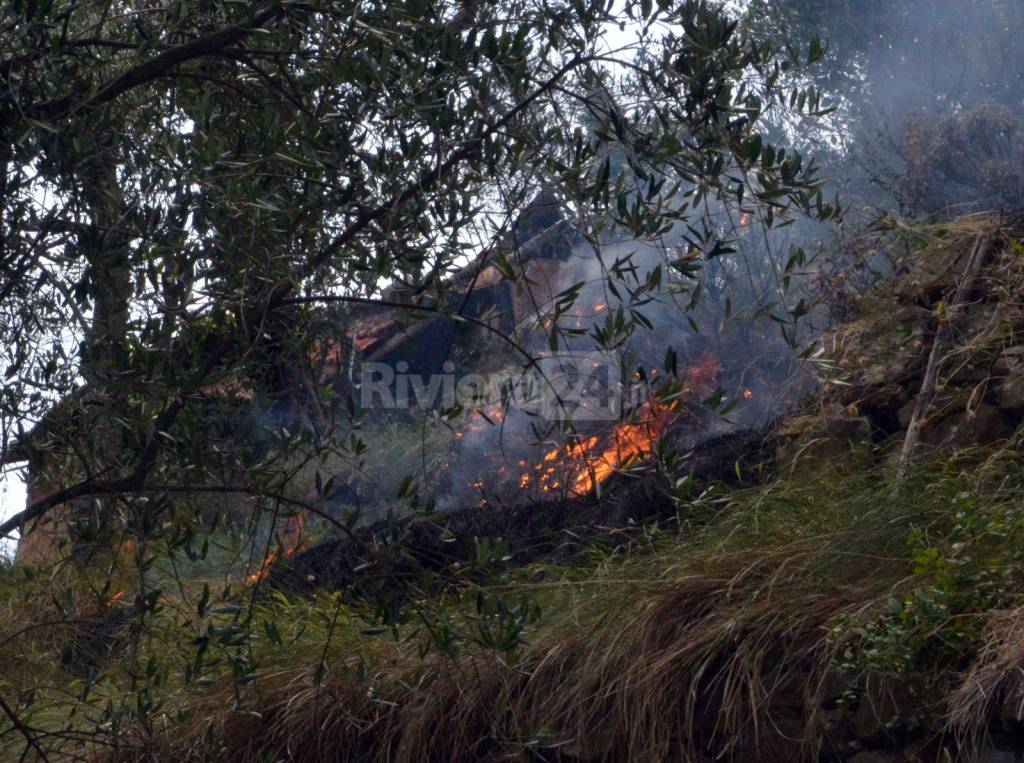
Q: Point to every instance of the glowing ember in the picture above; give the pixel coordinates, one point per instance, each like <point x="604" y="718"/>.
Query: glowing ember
<point x="747" y="394"/>
<point x="700" y="377"/>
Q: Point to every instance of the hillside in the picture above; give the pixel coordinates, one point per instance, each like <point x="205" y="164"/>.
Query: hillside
<point x="534" y="380"/>
<point x="798" y="596"/>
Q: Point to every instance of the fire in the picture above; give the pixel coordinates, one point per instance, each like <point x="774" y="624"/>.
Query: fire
<point x="745" y="219"/>
<point x="480" y="420"/>
<point x="747" y="394"/>
<point x="586" y="463"/>
<point x="261" y="573"/>
<point x="587" y="459"/>
<point x="628" y="442"/>
<point x="291" y="541"/>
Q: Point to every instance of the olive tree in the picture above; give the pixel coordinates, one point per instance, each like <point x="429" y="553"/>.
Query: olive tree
<point x="186" y="187"/>
<point x="184" y="182"/>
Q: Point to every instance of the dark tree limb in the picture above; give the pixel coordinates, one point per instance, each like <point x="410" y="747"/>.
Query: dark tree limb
<point x="22" y="729"/>
<point x="155" y="67"/>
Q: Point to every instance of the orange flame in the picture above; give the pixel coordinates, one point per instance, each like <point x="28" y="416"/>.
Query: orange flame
<point x="585" y="463"/>
<point x="291" y="541"/>
<point x="628" y="442"/>
<point x="588" y="463"/>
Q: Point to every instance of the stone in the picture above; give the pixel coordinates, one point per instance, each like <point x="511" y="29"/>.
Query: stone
<point x="1011" y="709"/>
<point x="944" y="404"/>
<point x="881" y="406"/>
<point x="1001" y="747"/>
<point x="833" y="687"/>
<point x="1009" y="396"/>
<point x="983" y="425"/>
<point x="878" y="756"/>
<point x="1009" y="388"/>
<point x="993" y="754"/>
<point x="886" y="347"/>
<point x="1010" y="361"/>
<point x="821" y="437"/>
<point x="933" y="272"/>
<point x="881" y="717"/>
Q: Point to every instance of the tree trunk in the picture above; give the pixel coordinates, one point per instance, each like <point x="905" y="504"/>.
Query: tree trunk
<point x="104" y="248"/>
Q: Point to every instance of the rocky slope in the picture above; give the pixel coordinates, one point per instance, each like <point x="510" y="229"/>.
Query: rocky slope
<point x="872" y="366"/>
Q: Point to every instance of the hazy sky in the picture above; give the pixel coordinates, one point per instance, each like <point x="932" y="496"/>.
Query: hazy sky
<point x="12" y="499"/>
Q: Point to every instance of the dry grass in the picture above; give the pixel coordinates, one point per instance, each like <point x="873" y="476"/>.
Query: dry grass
<point x="731" y="662"/>
<point x="718" y="642"/>
<point x="992" y="689"/>
<point x="718" y="645"/>
<point x="726" y="641"/>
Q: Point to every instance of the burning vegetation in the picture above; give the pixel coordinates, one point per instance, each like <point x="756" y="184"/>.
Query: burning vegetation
<point x="508" y="462"/>
<point x="584" y="463"/>
<point x="288" y="543"/>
